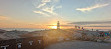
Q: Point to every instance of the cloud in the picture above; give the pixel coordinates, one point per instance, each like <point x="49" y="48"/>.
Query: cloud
<point x="41" y="5"/>
<point x="92" y="7"/>
<point x="49" y="10"/>
<point x="97" y="26"/>
<point x="45" y="9"/>
<point x="40" y="12"/>
<point x="3" y="18"/>
<point x="45" y="1"/>
<point x="91" y="22"/>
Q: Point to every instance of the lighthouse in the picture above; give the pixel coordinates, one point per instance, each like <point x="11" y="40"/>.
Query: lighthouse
<point x="58" y="25"/>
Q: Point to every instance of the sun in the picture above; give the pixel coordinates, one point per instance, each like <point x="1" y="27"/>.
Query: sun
<point x="54" y="27"/>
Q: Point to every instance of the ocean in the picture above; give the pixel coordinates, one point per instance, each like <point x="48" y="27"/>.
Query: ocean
<point x="35" y="29"/>
<point x="22" y="29"/>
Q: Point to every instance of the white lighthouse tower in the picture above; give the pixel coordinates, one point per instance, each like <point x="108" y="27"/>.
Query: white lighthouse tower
<point x="58" y="25"/>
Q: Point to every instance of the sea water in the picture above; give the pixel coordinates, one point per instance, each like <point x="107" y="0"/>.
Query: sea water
<point x="22" y="29"/>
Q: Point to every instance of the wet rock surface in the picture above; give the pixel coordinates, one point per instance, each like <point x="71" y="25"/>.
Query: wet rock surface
<point x="80" y="45"/>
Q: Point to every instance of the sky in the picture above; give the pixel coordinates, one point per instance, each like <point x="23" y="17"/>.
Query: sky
<point x="42" y="13"/>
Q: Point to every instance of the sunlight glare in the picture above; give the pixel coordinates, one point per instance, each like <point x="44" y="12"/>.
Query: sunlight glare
<point x="54" y="27"/>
